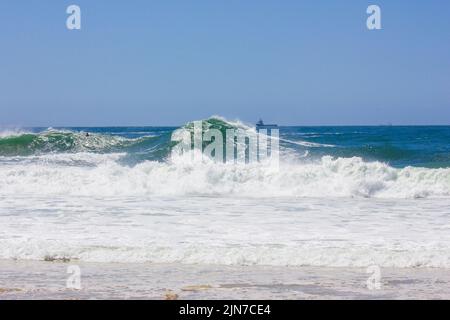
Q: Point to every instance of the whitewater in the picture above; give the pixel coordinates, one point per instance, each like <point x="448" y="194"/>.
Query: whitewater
<point x="340" y="197"/>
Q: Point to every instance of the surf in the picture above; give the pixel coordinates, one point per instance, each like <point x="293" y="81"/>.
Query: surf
<point x="106" y="164"/>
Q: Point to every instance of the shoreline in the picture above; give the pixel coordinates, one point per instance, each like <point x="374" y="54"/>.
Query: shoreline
<point x="48" y="280"/>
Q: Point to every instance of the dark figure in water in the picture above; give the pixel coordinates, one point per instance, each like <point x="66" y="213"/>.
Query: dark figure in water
<point x="87" y="134"/>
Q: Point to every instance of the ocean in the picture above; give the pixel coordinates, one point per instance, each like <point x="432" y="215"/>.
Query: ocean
<point x="344" y="196"/>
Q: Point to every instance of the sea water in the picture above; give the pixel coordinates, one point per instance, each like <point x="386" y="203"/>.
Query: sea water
<point x="340" y="197"/>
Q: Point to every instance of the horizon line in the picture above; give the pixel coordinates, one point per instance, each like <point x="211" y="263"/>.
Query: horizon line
<point x="177" y="126"/>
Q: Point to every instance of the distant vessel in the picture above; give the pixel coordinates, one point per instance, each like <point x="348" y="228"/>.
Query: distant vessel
<point x="261" y="125"/>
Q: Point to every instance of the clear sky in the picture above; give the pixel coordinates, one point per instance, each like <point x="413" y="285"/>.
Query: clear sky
<point x="167" y="62"/>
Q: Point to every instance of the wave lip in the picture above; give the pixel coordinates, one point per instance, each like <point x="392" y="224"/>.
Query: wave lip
<point x="12" y="133"/>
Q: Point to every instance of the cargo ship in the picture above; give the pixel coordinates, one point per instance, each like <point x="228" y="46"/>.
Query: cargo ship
<point x="261" y="125"/>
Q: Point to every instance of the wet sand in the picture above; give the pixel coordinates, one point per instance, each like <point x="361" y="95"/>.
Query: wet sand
<point x="48" y="280"/>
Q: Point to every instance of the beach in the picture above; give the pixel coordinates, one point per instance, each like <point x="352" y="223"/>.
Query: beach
<point x="47" y="280"/>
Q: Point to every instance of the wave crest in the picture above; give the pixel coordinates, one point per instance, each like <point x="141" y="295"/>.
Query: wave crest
<point x="62" y="141"/>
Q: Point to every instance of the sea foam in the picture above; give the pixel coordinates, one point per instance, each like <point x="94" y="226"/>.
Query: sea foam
<point x="327" y="177"/>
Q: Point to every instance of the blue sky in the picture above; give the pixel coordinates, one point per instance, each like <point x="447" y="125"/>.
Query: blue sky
<point x="169" y="62"/>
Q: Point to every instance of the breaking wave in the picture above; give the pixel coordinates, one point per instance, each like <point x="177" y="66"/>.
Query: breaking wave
<point x="54" y="141"/>
<point x="106" y="175"/>
<point x="55" y="161"/>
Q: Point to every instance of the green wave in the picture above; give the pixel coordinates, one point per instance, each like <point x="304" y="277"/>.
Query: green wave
<point x="215" y="123"/>
<point x="56" y="141"/>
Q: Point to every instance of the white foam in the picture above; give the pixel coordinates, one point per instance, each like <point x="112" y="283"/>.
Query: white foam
<point x="333" y="212"/>
<point x="329" y="177"/>
<point x="85" y="159"/>
<point x="263" y="255"/>
<point x="227" y="231"/>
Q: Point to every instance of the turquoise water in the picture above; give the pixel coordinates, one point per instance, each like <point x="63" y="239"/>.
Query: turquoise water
<point x="420" y="146"/>
<point x="427" y="146"/>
